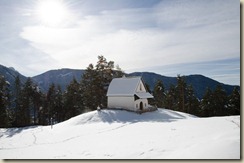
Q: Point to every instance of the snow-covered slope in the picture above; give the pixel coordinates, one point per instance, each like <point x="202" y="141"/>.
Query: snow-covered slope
<point x="163" y="134"/>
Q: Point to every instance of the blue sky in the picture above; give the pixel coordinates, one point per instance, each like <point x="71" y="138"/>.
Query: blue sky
<point x="168" y="37"/>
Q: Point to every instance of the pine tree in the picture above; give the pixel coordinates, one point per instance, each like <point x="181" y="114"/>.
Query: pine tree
<point x="16" y="102"/>
<point x="59" y="108"/>
<point x="170" y="99"/>
<point x="50" y="103"/>
<point x="105" y="75"/>
<point x="118" y="72"/>
<point x="73" y="100"/>
<point x="220" y="101"/>
<point x="4" y="103"/>
<point x="42" y="111"/>
<point x="37" y="102"/>
<point x="55" y="104"/>
<point x="89" y="88"/>
<point x="192" y="103"/>
<point x="207" y="104"/>
<point x="22" y="104"/>
<point x="181" y="91"/>
<point x="234" y="102"/>
<point x="159" y="95"/>
<point x="95" y="82"/>
<point x="148" y="88"/>
<point x="26" y="104"/>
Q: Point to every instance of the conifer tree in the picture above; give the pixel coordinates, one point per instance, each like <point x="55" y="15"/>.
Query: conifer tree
<point x="181" y="91"/>
<point x="59" y="108"/>
<point x="170" y="99"/>
<point x="234" y="102"/>
<point x="24" y="115"/>
<point x="148" y="87"/>
<point x="95" y="82"/>
<point x="105" y="75"/>
<point x="73" y="100"/>
<point x="118" y="72"/>
<point x="159" y="95"/>
<point x="16" y="102"/>
<point x="192" y="103"/>
<point x="50" y="103"/>
<point x="89" y="88"/>
<point x="42" y="111"/>
<point x="207" y="104"/>
<point x="55" y="104"/>
<point x="37" y="102"/>
<point x="27" y="102"/>
<point x="4" y="103"/>
<point x="220" y="101"/>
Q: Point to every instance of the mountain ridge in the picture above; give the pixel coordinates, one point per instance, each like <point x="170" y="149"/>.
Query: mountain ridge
<point x="64" y="76"/>
<point x="199" y="82"/>
<point x="10" y="74"/>
<point x="61" y="77"/>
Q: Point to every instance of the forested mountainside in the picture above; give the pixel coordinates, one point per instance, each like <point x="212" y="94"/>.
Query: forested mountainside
<point x="64" y="76"/>
<point x="42" y="99"/>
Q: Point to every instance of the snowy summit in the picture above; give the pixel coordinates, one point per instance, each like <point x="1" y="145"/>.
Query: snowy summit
<point x="119" y="134"/>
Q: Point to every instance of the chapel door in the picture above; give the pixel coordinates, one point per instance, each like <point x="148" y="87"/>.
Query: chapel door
<point x="141" y="105"/>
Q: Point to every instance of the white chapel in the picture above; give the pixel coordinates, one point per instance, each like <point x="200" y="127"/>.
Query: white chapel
<point x="128" y="93"/>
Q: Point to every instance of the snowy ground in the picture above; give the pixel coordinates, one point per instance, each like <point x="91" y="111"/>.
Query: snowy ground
<point x="111" y="134"/>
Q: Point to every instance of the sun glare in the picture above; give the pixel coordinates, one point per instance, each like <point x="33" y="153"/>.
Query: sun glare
<point x="52" y="12"/>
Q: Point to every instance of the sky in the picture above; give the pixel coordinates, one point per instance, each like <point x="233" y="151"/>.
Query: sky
<point x="168" y="37"/>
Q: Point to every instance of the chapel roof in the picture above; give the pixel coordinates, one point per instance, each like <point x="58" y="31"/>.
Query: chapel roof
<point x="126" y="86"/>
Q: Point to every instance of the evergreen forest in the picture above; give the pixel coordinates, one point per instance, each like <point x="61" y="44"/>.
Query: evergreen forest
<point x="27" y="105"/>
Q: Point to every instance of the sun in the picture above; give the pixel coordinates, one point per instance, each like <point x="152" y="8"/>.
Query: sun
<point x="52" y="12"/>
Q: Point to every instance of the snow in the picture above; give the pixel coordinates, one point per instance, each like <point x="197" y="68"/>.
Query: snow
<point x="8" y="83"/>
<point x="123" y="86"/>
<point x="118" y="134"/>
<point x="144" y="95"/>
<point x="64" y="75"/>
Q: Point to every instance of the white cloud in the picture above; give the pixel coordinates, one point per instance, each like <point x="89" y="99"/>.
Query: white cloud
<point x="140" y="38"/>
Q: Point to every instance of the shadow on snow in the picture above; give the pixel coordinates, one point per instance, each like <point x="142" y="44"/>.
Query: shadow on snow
<point x="10" y="132"/>
<point x="122" y="116"/>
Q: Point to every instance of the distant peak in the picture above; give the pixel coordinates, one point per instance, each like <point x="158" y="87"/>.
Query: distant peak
<point x="12" y="68"/>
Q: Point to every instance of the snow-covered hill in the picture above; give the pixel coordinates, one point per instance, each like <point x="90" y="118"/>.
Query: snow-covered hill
<point x="116" y="134"/>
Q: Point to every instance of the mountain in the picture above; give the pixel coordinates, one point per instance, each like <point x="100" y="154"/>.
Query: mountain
<point x="10" y="74"/>
<point x="198" y="82"/>
<point x="118" y="134"/>
<point x="64" y="76"/>
<point x="60" y="77"/>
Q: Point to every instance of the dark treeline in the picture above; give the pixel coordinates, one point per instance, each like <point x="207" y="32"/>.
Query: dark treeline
<point x="181" y="97"/>
<point x="26" y="105"/>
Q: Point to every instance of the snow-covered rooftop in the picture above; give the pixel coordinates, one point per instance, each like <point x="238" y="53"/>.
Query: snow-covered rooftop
<point x="125" y="87"/>
<point x="144" y="95"/>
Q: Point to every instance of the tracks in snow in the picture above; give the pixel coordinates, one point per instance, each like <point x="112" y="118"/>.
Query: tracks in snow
<point x="234" y="122"/>
<point x="35" y="137"/>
